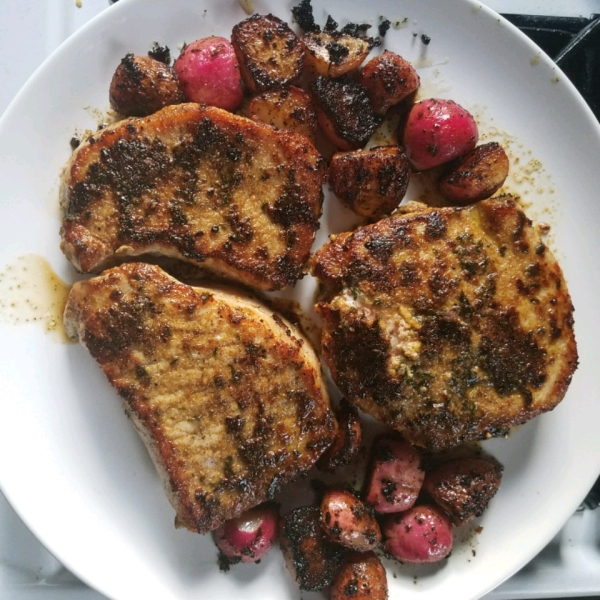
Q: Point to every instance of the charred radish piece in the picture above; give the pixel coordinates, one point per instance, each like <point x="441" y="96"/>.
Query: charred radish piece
<point x="362" y="577"/>
<point x="463" y="487"/>
<point x="396" y="476"/>
<point x="287" y="108"/>
<point x="313" y="560"/>
<point x="437" y="131"/>
<point x="477" y="175"/>
<point x="142" y="85"/>
<point x="389" y="79"/>
<point x="422" y="534"/>
<point x="344" y="111"/>
<point x="269" y="53"/>
<point x="333" y="54"/>
<point x="348" y="521"/>
<point x="250" y="536"/>
<point x="347" y="442"/>
<point x="372" y="183"/>
<point x="209" y="73"/>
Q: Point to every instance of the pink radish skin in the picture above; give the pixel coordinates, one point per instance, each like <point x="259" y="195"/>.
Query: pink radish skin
<point x="209" y="73"/>
<point x="396" y="477"/>
<point x="250" y="536"/>
<point x="438" y="131"/>
<point x="422" y="534"/>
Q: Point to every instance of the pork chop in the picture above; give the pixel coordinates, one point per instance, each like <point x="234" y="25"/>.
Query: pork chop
<point x="227" y="396"/>
<point x="197" y="183"/>
<point x="449" y="324"/>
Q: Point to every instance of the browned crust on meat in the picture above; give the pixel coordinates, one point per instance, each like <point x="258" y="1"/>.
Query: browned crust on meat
<point x="199" y="184"/>
<point x="450" y="324"/>
<point x="227" y="396"/>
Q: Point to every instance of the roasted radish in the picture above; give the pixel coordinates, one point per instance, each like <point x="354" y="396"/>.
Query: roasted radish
<point x="463" y="487"/>
<point x="250" y="536"/>
<point x="269" y="53"/>
<point x="348" y="521"/>
<point x="344" y="111"/>
<point x="142" y="85"/>
<point x="347" y="442"/>
<point x="422" y="534"/>
<point x="372" y="183"/>
<point x="209" y="73"/>
<point x="333" y="54"/>
<point x="437" y="131"/>
<point x="396" y="476"/>
<point x="312" y="558"/>
<point x="477" y="175"/>
<point x="389" y="79"/>
<point x="362" y="577"/>
<point x="285" y="108"/>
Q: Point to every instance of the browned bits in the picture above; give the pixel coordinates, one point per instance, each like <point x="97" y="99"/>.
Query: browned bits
<point x="268" y="51"/>
<point x="347" y="442"/>
<point x="362" y="577"/>
<point x="476" y="175"/>
<point x="348" y="521"/>
<point x="463" y="487"/>
<point x="344" y="111"/>
<point x="142" y="85"/>
<point x="313" y="560"/>
<point x="333" y="54"/>
<point x="287" y="108"/>
<point x="372" y="183"/>
<point x="389" y="78"/>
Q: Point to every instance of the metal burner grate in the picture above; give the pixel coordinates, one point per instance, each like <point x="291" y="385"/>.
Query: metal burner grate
<point x="574" y="44"/>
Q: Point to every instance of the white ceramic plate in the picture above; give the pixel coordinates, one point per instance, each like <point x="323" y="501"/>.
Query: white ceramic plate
<point x="70" y="462"/>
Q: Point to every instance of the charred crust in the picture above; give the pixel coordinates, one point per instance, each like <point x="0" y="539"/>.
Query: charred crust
<point x="346" y="105"/>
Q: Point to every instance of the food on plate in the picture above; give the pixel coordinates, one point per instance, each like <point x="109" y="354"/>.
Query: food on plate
<point x="269" y="53"/>
<point x="348" y="521"/>
<point x="448" y="324"/>
<point x="209" y="73"/>
<point x="196" y="183"/>
<point x="333" y="54"/>
<point x="463" y="487"/>
<point x="227" y="396"/>
<point x="344" y="111"/>
<point x="476" y="175"/>
<point x="372" y="182"/>
<point x="388" y="79"/>
<point x="362" y="577"/>
<point x="312" y="559"/>
<point x="437" y="131"/>
<point x="250" y="536"/>
<point x="422" y="534"/>
<point x="396" y="476"/>
<point x="287" y="108"/>
<point x="346" y="446"/>
<point x="142" y="85"/>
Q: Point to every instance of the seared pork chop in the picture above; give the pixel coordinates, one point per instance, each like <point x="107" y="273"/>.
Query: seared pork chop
<point x="196" y="183"/>
<point x="449" y="324"/>
<point x="227" y="396"/>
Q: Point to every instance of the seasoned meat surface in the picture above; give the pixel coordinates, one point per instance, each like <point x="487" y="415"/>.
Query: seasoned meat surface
<point x="196" y="183"/>
<point x="448" y="324"/>
<point x="227" y="396"/>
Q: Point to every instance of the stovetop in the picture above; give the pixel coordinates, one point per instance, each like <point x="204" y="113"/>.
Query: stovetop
<point x="570" y="565"/>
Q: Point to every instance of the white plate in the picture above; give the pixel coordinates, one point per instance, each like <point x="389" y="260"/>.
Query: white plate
<point x="70" y="462"/>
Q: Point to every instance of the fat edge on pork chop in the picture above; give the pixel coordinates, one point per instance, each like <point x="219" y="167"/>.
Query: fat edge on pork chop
<point x="450" y="324"/>
<point x="194" y="182"/>
<point x="227" y="396"/>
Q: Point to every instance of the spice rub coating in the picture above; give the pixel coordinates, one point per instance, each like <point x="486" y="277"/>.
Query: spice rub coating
<point x="449" y="324"/>
<point x="196" y="183"/>
<point x="227" y="396"/>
